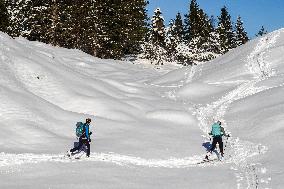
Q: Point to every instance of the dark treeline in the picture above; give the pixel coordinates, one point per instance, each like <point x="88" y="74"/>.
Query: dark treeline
<point x="119" y="28"/>
<point x="104" y="28"/>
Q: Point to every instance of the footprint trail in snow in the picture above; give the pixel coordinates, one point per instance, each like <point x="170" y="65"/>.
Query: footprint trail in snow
<point x="122" y="160"/>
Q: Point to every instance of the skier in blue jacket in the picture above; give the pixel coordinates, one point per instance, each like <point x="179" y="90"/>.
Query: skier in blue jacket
<point x="217" y="132"/>
<point x="84" y="139"/>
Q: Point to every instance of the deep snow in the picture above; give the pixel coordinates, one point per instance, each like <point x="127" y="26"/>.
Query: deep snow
<point x="150" y="125"/>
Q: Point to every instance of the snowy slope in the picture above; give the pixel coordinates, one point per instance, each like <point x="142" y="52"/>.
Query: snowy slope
<point x="150" y="125"/>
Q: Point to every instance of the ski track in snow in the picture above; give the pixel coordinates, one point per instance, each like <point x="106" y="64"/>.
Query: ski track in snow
<point x="247" y="174"/>
<point x="256" y="60"/>
<point x="122" y="160"/>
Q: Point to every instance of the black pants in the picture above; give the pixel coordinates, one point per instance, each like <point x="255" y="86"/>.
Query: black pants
<point x="81" y="142"/>
<point x="217" y="139"/>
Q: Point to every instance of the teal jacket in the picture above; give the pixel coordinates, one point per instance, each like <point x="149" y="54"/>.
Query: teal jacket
<point x="217" y="130"/>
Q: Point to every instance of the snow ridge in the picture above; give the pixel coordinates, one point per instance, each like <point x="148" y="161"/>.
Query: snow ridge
<point x="256" y="62"/>
<point x="121" y="160"/>
<point x="242" y="151"/>
<point x="238" y="151"/>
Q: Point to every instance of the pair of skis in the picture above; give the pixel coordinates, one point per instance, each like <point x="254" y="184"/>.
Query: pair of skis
<point x="208" y="161"/>
<point x="220" y="157"/>
<point x="77" y="155"/>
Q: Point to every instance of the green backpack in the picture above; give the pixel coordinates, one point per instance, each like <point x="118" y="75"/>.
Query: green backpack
<point x="80" y="129"/>
<point x="216" y="130"/>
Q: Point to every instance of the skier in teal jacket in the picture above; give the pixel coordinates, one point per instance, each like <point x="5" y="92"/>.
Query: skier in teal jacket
<point x="217" y="132"/>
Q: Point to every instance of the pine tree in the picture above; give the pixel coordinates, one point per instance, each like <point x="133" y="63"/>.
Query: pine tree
<point x="158" y="28"/>
<point x="4" y="17"/>
<point x="177" y="50"/>
<point x="214" y="47"/>
<point x="214" y="39"/>
<point x="203" y="45"/>
<point x="204" y="28"/>
<point x="178" y="30"/>
<point x="18" y="13"/>
<point x="154" y="49"/>
<point x="225" y="31"/>
<point x="200" y="34"/>
<point x="241" y="34"/>
<point x="58" y="22"/>
<point x="171" y="41"/>
<point x="174" y="36"/>
<point x="105" y="18"/>
<point x="121" y="27"/>
<point x="55" y="31"/>
<point x="66" y="24"/>
<point x="39" y="21"/>
<point x="134" y="18"/>
<point x="77" y="25"/>
<point x="108" y="33"/>
<point x="261" y="32"/>
<point x="209" y="44"/>
<point x="191" y="21"/>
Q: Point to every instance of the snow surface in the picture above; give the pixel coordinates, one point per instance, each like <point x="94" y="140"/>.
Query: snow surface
<point x="150" y="125"/>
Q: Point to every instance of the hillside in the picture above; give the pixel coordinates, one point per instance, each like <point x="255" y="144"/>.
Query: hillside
<point x="150" y="125"/>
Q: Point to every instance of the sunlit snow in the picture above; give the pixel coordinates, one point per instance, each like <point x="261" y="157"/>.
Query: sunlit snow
<point x="150" y="126"/>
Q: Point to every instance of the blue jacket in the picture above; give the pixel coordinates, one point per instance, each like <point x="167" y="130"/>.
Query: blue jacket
<point x="87" y="130"/>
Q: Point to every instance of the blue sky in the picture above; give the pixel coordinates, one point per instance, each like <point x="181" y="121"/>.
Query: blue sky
<point x="254" y="13"/>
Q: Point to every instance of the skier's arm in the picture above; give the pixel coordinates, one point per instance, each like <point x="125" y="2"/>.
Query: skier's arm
<point x="87" y="132"/>
<point x="223" y="131"/>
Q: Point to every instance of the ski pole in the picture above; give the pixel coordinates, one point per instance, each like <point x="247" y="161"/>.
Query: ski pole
<point x="226" y="143"/>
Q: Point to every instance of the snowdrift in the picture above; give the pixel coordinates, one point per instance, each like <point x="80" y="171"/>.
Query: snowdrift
<point x="244" y="89"/>
<point x="150" y="126"/>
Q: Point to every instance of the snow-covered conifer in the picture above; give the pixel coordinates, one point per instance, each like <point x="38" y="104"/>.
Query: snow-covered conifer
<point x="171" y="40"/>
<point x="18" y="12"/>
<point x="154" y="49"/>
<point x="77" y="25"/>
<point x="134" y="29"/>
<point x="4" y="17"/>
<point x="203" y="43"/>
<point x="241" y="34"/>
<point x="38" y="21"/>
<point x="121" y="27"/>
<point x="158" y="28"/>
<point x="225" y="31"/>
<point x="261" y="32"/>
<point x="179" y="28"/>
<point x="174" y="36"/>
<point x="191" y="26"/>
